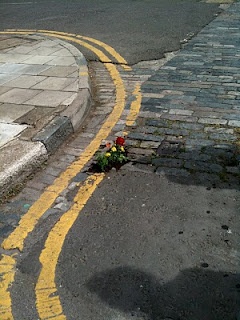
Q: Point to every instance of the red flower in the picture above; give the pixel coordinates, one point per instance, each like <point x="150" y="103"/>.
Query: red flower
<point x="120" y="141"/>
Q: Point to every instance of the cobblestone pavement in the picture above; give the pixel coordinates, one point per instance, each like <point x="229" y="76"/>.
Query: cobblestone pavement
<point x="190" y="113"/>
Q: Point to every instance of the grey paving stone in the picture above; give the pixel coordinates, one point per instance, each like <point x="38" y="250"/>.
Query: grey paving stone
<point x="234" y="123"/>
<point x="167" y="162"/>
<point x="38" y="59"/>
<point x="68" y="158"/>
<point x="222" y="137"/>
<point x="62" y="61"/>
<point x="25" y="81"/>
<point x="179" y="118"/>
<point x="18" y="96"/>
<point x="53" y="83"/>
<point x="157" y="123"/>
<point x="141" y="136"/>
<point x="44" y="51"/>
<point x="190" y="126"/>
<point x="181" y="112"/>
<point x="59" y="71"/>
<point x="218" y="130"/>
<point x="62" y="52"/>
<point x="36" y="185"/>
<point x="15" y="57"/>
<point x="33" y="69"/>
<point x="21" y="49"/>
<point x="203" y="166"/>
<point x="10" y="68"/>
<point x="4" y="89"/>
<point x="48" y="98"/>
<point x="149" y="144"/>
<point x="11" y="112"/>
<point x="53" y="171"/>
<point x="4" y="78"/>
<point x="194" y="155"/>
<point x="212" y="121"/>
<point x="235" y="170"/>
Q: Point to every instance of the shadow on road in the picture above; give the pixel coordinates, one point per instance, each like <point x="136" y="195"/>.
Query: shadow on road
<point x="195" y="294"/>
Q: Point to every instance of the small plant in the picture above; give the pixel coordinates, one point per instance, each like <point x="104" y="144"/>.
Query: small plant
<point x="114" y="156"/>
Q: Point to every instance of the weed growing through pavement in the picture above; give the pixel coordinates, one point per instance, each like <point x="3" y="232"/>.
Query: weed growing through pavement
<point x="115" y="156"/>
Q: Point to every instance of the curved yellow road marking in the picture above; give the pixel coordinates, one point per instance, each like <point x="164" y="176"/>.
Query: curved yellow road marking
<point x="47" y="304"/>
<point x="47" y="300"/>
<point x="135" y="106"/>
<point x="16" y="239"/>
<point x="7" y="265"/>
<point x="28" y="222"/>
<point x="105" y="46"/>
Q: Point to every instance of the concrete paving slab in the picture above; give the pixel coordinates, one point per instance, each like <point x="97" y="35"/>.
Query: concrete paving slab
<point x="25" y="81"/>
<point x="34" y="69"/>
<point x="38" y="59"/>
<point x="18" y="95"/>
<point x="45" y="51"/>
<point x="54" y="83"/>
<point x="15" y="57"/>
<point x="6" y="77"/>
<point x="49" y="98"/>
<point x="62" y="53"/>
<point x="10" y="112"/>
<point x="48" y="43"/>
<point x="33" y="117"/>
<point x="74" y="86"/>
<point x="9" y="131"/>
<point x="21" y="50"/>
<point x="62" y="61"/>
<point x="4" y="89"/>
<point x="9" y="42"/>
<point x="59" y="71"/>
<point x="73" y="75"/>
<point x="12" y="68"/>
<point x="70" y="99"/>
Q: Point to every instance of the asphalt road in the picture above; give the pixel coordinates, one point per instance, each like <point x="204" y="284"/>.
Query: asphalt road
<point x="138" y="29"/>
<point x="144" y="247"/>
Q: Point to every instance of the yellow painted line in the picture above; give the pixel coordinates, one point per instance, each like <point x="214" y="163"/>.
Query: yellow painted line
<point x="105" y="46"/>
<point x="16" y="239"/>
<point x="47" y="300"/>
<point x="84" y="74"/>
<point x="7" y="265"/>
<point x="27" y="223"/>
<point x="135" y="106"/>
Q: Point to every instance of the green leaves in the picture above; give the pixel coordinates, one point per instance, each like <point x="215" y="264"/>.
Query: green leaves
<point x="113" y="157"/>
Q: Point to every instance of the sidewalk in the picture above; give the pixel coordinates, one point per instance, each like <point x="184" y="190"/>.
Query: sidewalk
<point x="44" y="95"/>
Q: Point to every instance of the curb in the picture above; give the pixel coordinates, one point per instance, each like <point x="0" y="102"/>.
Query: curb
<point x="70" y="119"/>
<point x="21" y="157"/>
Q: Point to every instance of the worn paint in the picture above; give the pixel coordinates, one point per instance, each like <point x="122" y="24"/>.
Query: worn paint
<point x="105" y="46"/>
<point x="47" y="300"/>
<point x="28" y="222"/>
<point x="26" y="225"/>
<point x="7" y="265"/>
<point x="135" y="106"/>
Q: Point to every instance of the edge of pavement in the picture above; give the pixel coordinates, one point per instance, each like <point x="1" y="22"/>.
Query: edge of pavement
<point x="25" y="153"/>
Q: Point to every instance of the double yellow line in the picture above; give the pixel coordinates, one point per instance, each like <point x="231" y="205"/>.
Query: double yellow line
<point x="47" y="300"/>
